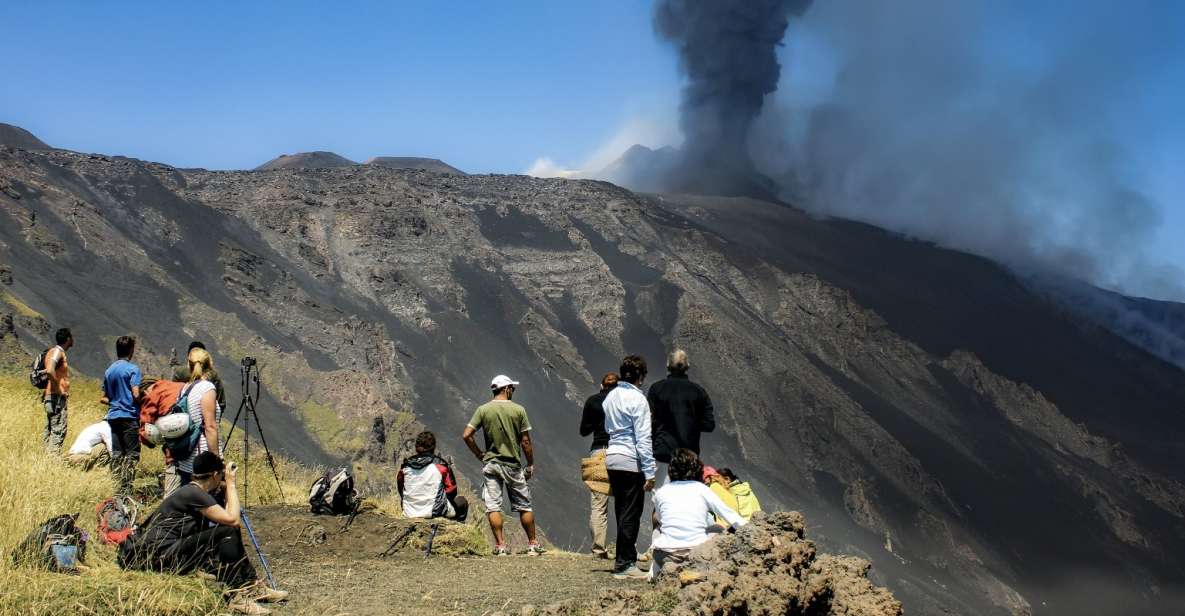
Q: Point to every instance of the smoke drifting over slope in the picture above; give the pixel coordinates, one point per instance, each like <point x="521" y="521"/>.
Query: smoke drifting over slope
<point x="990" y="129"/>
<point x="728" y="50"/>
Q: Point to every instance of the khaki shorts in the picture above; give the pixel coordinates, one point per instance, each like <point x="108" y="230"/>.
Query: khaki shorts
<point x="497" y="477"/>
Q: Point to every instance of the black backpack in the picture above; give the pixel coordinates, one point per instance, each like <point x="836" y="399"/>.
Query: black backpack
<point x="57" y="545"/>
<point x="38" y="376"/>
<point x="333" y="494"/>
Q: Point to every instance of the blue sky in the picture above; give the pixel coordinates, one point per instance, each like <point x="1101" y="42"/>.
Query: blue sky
<point x="488" y="87"/>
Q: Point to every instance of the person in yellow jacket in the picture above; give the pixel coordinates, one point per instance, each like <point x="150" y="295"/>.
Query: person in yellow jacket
<point x="747" y="503"/>
<point x="719" y="486"/>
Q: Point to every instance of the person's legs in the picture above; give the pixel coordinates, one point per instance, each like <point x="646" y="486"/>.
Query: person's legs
<point x="598" y="521"/>
<point x="491" y="496"/>
<point x="460" y="508"/>
<point x="125" y="452"/>
<point x="172" y="479"/>
<point x="520" y="499"/>
<point x="628" y="500"/>
<point x="55" y="423"/>
<point x="98" y="455"/>
<point x="217" y="550"/>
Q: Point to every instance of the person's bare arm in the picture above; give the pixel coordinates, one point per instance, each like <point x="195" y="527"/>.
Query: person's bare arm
<point x="471" y="442"/>
<point x="210" y="420"/>
<point x="228" y="516"/>
<point x="135" y="393"/>
<point x="524" y="439"/>
<point x="654" y="519"/>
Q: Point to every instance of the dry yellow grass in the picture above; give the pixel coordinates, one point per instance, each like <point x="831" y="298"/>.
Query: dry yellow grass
<point x="35" y="486"/>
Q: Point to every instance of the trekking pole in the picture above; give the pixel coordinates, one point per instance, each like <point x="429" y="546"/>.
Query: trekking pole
<point x="431" y="536"/>
<point x="391" y="549"/>
<point x="255" y="542"/>
<point x="353" y="514"/>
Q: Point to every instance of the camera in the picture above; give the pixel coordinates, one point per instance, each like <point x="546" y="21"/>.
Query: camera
<point x="248" y="362"/>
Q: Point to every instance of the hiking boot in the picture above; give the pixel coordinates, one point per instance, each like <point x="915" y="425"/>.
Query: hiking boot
<point x="630" y="572"/>
<point x="246" y="605"/>
<point x="535" y="549"/>
<point x="501" y="550"/>
<point x="601" y="554"/>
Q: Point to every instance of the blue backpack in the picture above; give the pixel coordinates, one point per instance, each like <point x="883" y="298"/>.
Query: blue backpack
<point x="181" y="447"/>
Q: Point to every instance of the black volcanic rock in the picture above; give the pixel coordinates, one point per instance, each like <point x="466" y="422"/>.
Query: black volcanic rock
<point x="18" y="137"/>
<point x="415" y="162"/>
<point x="306" y="160"/>
<point x="926" y="409"/>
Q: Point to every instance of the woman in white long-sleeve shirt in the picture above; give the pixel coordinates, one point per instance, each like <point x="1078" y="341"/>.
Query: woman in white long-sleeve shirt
<point x="629" y="459"/>
<point x="683" y="510"/>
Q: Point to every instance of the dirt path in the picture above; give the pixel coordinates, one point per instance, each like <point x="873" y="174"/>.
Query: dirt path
<point x="345" y="575"/>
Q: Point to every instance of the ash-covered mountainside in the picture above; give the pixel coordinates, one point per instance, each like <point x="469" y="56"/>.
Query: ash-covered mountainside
<point x="923" y="407"/>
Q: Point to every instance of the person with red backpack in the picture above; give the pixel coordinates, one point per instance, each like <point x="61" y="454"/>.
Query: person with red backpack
<point x="426" y="484"/>
<point x="156" y="400"/>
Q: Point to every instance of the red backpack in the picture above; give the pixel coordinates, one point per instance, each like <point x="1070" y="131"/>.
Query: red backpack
<point x="117" y="519"/>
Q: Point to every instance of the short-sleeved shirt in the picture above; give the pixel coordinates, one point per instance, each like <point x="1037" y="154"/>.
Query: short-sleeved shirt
<point x="503" y="422"/>
<point x="118" y="382"/>
<point x="179" y="515"/>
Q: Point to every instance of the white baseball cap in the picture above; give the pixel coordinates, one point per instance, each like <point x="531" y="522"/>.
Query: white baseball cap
<point x="501" y="381"/>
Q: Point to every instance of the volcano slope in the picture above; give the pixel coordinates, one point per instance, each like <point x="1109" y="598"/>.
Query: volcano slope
<point x="924" y="408"/>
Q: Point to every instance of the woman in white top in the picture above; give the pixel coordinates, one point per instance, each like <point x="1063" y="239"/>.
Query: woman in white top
<point x="683" y="511"/>
<point x="202" y="403"/>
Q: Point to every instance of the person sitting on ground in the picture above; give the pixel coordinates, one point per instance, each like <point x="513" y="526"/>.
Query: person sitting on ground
<point x="177" y="540"/>
<point x="426" y="484"/>
<point x="747" y="503"/>
<point x="92" y="447"/>
<point x="719" y="486"/>
<point x="156" y="400"/>
<point x="681" y="512"/>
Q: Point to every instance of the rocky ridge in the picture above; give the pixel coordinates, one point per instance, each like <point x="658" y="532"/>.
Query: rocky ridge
<point x="925" y="408"/>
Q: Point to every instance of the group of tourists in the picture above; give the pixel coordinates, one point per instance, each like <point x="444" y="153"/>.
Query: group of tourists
<point x="641" y="439"/>
<point x="197" y="526"/>
<point x="634" y="434"/>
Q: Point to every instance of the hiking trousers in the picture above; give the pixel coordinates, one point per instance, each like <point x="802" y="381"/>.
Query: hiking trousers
<point x="629" y="498"/>
<point x="598" y="520"/>
<point x="55" y="422"/>
<point x="217" y="550"/>
<point x="125" y="452"/>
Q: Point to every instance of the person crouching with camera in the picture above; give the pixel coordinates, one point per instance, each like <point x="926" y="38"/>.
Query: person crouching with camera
<point x="190" y="531"/>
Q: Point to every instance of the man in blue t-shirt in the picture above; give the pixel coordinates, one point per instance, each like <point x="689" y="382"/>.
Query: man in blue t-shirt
<point x="121" y="393"/>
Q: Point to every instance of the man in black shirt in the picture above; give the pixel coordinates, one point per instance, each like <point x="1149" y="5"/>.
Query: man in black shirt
<point x="596" y="477"/>
<point x="178" y="538"/>
<point x="680" y="411"/>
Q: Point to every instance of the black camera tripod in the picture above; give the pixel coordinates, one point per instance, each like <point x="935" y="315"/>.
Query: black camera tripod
<point x="248" y="376"/>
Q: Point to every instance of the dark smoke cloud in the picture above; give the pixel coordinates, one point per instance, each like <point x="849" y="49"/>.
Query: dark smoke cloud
<point x="728" y="52"/>
<point x="995" y="128"/>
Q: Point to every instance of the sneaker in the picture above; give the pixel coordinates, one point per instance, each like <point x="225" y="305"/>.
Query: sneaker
<point x="501" y="550"/>
<point x="535" y="549"/>
<point x="630" y="572"/>
<point x="246" y="605"/>
<point x="265" y="594"/>
<point x="601" y="554"/>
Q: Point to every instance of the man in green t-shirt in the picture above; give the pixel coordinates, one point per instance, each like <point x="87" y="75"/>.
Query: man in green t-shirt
<point x="507" y="438"/>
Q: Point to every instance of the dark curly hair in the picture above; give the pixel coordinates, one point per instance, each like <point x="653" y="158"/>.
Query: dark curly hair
<point x="685" y="466"/>
<point x="425" y="442"/>
<point x="633" y="369"/>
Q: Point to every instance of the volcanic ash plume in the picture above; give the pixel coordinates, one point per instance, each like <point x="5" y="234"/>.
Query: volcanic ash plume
<point x="727" y="49"/>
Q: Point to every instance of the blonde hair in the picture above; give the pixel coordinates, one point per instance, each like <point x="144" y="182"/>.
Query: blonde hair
<point x="200" y="364"/>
